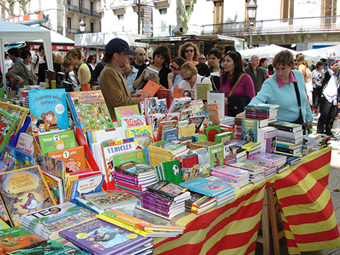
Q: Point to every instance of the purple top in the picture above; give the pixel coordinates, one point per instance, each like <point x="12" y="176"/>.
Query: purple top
<point x="244" y="88"/>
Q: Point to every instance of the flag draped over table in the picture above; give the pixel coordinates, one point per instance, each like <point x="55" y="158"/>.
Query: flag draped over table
<point x="231" y="228"/>
<point x="306" y="207"/>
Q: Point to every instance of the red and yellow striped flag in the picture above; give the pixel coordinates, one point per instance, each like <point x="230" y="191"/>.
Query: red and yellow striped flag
<point x="305" y="203"/>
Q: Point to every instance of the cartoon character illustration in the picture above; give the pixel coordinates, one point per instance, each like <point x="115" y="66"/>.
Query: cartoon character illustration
<point x="50" y="119"/>
<point x="34" y="124"/>
<point x="152" y="106"/>
<point x="59" y="145"/>
<point x="213" y="186"/>
<point x="31" y="203"/>
<point x="72" y="165"/>
<point x="41" y="125"/>
<point x="162" y="107"/>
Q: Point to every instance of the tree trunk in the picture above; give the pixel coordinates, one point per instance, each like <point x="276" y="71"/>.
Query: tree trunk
<point x="181" y="28"/>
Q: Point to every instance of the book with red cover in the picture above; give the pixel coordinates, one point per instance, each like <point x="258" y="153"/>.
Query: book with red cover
<point x="150" y="88"/>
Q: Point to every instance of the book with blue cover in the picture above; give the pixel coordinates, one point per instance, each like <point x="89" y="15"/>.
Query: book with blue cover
<point x="15" y="158"/>
<point x="48" y="109"/>
<point x="249" y="129"/>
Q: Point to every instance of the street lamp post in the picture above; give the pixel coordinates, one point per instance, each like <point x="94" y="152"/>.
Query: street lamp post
<point x="251" y="10"/>
<point x="82" y="26"/>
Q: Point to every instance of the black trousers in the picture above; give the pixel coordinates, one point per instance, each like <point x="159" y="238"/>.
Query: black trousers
<point x="316" y="97"/>
<point x="327" y="116"/>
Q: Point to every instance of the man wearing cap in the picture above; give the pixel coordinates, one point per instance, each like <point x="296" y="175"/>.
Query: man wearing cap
<point x="111" y="81"/>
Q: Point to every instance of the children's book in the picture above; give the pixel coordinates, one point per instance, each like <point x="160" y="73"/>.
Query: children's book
<point x="74" y="158"/>
<point x="89" y="110"/>
<point x="24" y="190"/>
<point x="135" y="169"/>
<point x="169" y="190"/>
<point x="48" y="222"/>
<point x="165" y="94"/>
<point x="269" y="158"/>
<point x="186" y="131"/>
<point x="105" y="200"/>
<point x="143" y="136"/>
<point x="56" y="187"/>
<point x="170" y="135"/>
<point x="172" y="171"/>
<point x="189" y="167"/>
<point x="48" y="109"/>
<point x="197" y="120"/>
<point x="154" y="105"/>
<point x="57" y="141"/>
<point x="86" y="186"/>
<point x="8" y="124"/>
<point x="203" y="162"/>
<point x="25" y="142"/>
<point x="199" y="137"/>
<point x="211" y="131"/>
<point x="212" y="111"/>
<point x="173" y="116"/>
<point x="249" y="129"/>
<point x="186" y="114"/>
<point x="223" y="137"/>
<point x="48" y="247"/>
<point x="178" y="104"/>
<point x="125" y="112"/>
<point x="164" y="126"/>
<point x="217" y="97"/>
<point x="216" y="155"/>
<point x="15" y="238"/>
<point x="229" y="154"/>
<point x="155" y="120"/>
<point x="132" y="156"/>
<point x="50" y="165"/>
<point x="150" y="88"/>
<point x="15" y="158"/>
<point x="100" y="237"/>
<point x="133" y="121"/>
<point x="16" y="111"/>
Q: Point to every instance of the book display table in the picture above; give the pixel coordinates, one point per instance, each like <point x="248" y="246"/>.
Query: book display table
<point x="306" y="210"/>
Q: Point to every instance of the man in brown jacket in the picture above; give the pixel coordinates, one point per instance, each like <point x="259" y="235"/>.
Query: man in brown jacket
<point x="257" y="74"/>
<point x="111" y="80"/>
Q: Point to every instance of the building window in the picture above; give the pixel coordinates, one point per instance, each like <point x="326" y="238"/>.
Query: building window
<point x="91" y="8"/>
<point x="163" y="11"/>
<point x="328" y="10"/>
<point x="69" y="23"/>
<point x="120" y="17"/>
<point x="92" y="27"/>
<point x="69" y="2"/>
<point x="287" y="11"/>
<point x="80" y="6"/>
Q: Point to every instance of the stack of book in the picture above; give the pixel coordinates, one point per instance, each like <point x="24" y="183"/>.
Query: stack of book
<point x="221" y="192"/>
<point x="165" y="198"/>
<point x="162" y="151"/>
<point x="236" y="177"/>
<point x="289" y="138"/>
<point x="278" y="161"/>
<point x="267" y="136"/>
<point x="241" y="154"/>
<point x="134" y="177"/>
<point x="292" y="160"/>
<point x="317" y="141"/>
<point x="199" y="203"/>
<point x="256" y="170"/>
<point x="142" y="223"/>
<point x="100" y="237"/>
<point x="48" y="222"/>
<point x="268" y="111"/>
<point x="251" y="147"/>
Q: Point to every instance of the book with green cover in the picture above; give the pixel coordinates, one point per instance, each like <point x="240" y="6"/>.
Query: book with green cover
<point x="211" y="131"/>
<point x="8" y="124"/>
<point x="216" y="155"/>
<point x="172" y="171"/>
<point x="57" y="141"/>
<point x="223" y="137"/>
<point x="136" y="156"/>
<point x="126" y="111"/>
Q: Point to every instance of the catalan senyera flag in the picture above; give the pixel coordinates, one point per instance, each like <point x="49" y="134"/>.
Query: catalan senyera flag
<point x="231" y="228"/>
<point x="305" y="203"/>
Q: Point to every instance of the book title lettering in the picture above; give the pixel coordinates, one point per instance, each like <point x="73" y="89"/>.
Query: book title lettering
<point x="44" y="213"/>
<point x="127" y="112"/>
<point x="21" y="181"/>
<point x="120" y="148"/>
<point x="36" y="99"/>
<point x="133" y="122"/>
<point x="84" y="228"/>
<point x="140" y="133"/>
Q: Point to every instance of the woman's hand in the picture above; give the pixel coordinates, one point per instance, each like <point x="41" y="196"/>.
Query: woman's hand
<point x="154" y="78"/>
<point x="170" y="76"/>
<point x="309" y="125"/>
<point x="225" y="100"/>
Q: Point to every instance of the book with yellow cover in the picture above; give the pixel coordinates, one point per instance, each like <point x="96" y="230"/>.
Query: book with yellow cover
<point x="74" y="158"/>
<point x="143" y="136"/>
<point x="186" y="131"/>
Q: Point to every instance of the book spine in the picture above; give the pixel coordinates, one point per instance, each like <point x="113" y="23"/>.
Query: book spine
<point x="127" y="190"/>
<point x="161" y="193"/>
<point x="288" y="134"/>
<point x="125" y="177"/>
<point x="284" y="128"/>
<point x="158" y="199"/>
<point x="155" y="209"/>
<point x="164" y="208"/>
<point x="129" y="184"/>
<point x="256" y="114"/>
<point x="288" y="140"/>
<point x="280" y="149"/>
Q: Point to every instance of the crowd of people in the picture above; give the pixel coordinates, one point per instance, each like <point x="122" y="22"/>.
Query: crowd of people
<point x="298" y="89"/>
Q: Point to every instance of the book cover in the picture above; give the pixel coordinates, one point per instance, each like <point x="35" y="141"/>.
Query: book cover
<point x="178" y="104"/>
<point x="269" y="158"/>
<point x="229" y="154"/>
<point x="216" y="155"/>
<point x="48" y="247"/>
<point x="89" y="110"/>
<point x="170" y="135"/>
<point x="186" y="131"/>
<point x="189" y="93"/>
<point x="143" y="136"/>
<point x="249" y="129"/>
<point x="202" y="90"/>
<point x="173" y="116"/>
<point x="199" y="137"/>
<point x="172" y="171"/>
<point x="8" y="124"/>
<point x="15" y="238"/>
<point x="217" y="97"/>
<point x="25" y="142"/>
<point x="212" y="111"/>
<point x="189" y="167"/>
<point x="74" y="158"/>
<point x="211" y="131"/>
<point x="105" y="200"/>
<point x="150" y="88"/>
<point x="286" y="126"/>
<point x="150" y="70"/>
<point x="15" y="158"/>
<point x="86" y="186"/>
<point x="24" y="190"/>
<point x="154" y="105"/>
<point x="136" y="156"/>
<point x="57" y="141"/>
<point x="100" y="237"/>
<point x="135" y="169"/>
<point x="223" y="137"/>
<point x="168" y="190"/>
<point x="197" y="120"/>
<point x="163" y="126"/>
<point x="206" y="187"/>
<point x="155" y="120"/>
<point x="50" y="165"/>
<point x="133" y="121"/>
<point x="16" y="111"/>
<point x="56" y="187"/>
<point x="178" y="93"/>
<point x="100" y="136"/>
<point x="48" y="110"/>
<point x="203" y="162"/>
<point x="165" y="94"/>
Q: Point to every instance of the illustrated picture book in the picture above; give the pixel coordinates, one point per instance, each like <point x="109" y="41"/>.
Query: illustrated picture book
<point x="48" y="110"/>
<point x="143" y="136"/>
<point x="50" y="165"/>
<point x="57" y="141"/>
<point x="8" y="124"/>
<point x="15" y="158"/>
<point x="126" y="112"/>
<point x="25" y="142"/>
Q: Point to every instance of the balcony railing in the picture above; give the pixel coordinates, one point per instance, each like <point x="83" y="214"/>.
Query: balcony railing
<point x="72" y="8"/>
<point x="84" y="11"/>
<point x="72" y="30"/>
<point x="276" y="26"/>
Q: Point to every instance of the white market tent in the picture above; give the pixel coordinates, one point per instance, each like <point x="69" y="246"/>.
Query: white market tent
<point x="56" y="38"/>
<point x="12" y="32"/>
<point x="268" y="51"/>
<point x="316" y="54"/>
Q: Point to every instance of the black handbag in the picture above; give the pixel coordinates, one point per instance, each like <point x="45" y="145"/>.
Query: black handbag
<point x="300" y="119"/>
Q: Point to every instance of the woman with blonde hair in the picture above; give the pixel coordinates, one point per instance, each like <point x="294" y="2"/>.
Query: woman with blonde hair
<point x="302" y="66"/>
<point x="75" y="58"/>
<point x="191" y="77"/>
<point x="189" y="52"/>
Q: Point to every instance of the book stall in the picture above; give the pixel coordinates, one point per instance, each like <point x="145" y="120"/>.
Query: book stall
<point x="170" y="175"/>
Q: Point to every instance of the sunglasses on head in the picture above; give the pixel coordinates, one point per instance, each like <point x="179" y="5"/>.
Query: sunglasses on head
<point x="231" y="52"/>
<point x="187" y="79"/>
<point x="187" y="51"/>
<point x="176" y="69"/>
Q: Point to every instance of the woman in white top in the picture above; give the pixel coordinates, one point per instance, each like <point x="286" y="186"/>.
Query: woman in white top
<point x="214" y="60"/>
<point x="91" y="60"/>
<point x="317" y="85"/>
<point x="191" y="77"/>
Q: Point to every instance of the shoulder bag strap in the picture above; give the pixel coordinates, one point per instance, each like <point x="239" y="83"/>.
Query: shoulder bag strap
<point x="238" y="80"/>
<point x="213" y="83"/>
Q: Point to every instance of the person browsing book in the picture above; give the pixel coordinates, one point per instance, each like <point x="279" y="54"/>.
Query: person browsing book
<point x="280" y="89"/>
<point x="191" y="77"/>
<point x="75" y="57"/>
<point x="111" y="81"/>
<point x="174" y="78"/>
<point x="161" y="62"/>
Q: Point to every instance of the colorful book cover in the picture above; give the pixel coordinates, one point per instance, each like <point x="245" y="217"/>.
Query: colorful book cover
<point x="172" y="171"/>
<point x="150" y="88"/>
<point x="203" y="162"/>
<point x="169" y="190"/>
<point x="89" y="110"/>
<point x="170" y="135"/>
<point x="15" y="238"/>
<point x="15" y="158"/>
<point x="8" y="124"/>
<point x="211" y="131"/>
<point x="100" y="237"/>
<point x="216" y="155"/>
<point x="186" y="114"/>
<point x="223" y="137"/>
<point x="50" y="165"/>
<point x="154" y="105"/>
<point x="57" y="141"/>
<point x="56" y="187"/>
<point x="229" y="154"/>
<point x="155" y="119"/>
<point x="25" y="142"/>
<point x="189" y="93"/>
<point x="50" y="221"/>
<point x="163" y="126"/>
<point x="86" y="186"/>
<point x="16" y="111"/>
<point x="143" y="136"/>
<point x="212" y="111"/>
<point x="135" y="169"/>
<point x="3" y="224"/>
<point x="173" y="116"/>
<point x="189" y="167"/>
<point x="48" y="110"/>
<point x="24" y="190"/>
<point x="133" y="121"/>
<point x="136" y="156"/>
<point x="48" y="247"/>
<point x="199" y="137"/>
<point x="74" y="158"/>
<point x="249" y="129"/>
<point x="197" y="120"/>
<point x="178" y="92"/>
<point x="178" y="104"/>
<point x="105" y="200"/>
<point x="125" y="112"/>
<point x="165" y="94"/>
<point x="186" y="131"/>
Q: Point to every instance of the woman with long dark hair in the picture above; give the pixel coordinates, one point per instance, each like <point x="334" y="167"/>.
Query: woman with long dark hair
<point x="235" y="75"/>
